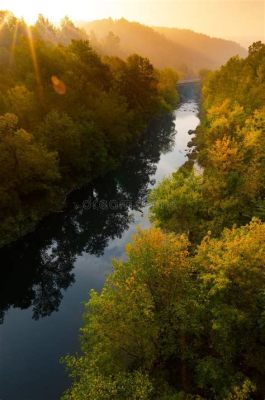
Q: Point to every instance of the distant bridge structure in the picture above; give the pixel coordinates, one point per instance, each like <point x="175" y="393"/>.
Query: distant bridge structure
<point x="187" y="81"/>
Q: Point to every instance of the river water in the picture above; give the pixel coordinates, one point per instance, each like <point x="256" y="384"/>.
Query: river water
<point x="45" y="278"/>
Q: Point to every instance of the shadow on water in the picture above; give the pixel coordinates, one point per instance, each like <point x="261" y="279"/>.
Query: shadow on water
<point x="190" y="91"/>
<point x="37" y="269"/>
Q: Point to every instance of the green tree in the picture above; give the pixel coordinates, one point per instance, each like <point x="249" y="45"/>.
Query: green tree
<point x="177" y="205"/>
<point x="138" y="325"/>
<point x="28" y="173"/>
<point x="58" y="132"/>
<point x="232" y="276"/>
<point x="167" y="86"/>
<point x="187" y="325"/>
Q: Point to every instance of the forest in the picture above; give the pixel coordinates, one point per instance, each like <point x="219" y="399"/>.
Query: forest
<point x="183" y="316"/>
<point x="229" y="147"/>
<point x="132" y="195"/>
<point x="67" y="115"/>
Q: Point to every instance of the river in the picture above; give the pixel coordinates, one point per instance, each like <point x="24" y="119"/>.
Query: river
<point x="45" y="278"/>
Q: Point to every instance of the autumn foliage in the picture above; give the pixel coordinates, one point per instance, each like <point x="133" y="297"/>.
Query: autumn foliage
<point x="171" y="321"/>
<point x="184" y="316"/>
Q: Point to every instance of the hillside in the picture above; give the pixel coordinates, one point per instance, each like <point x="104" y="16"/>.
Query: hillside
<point x="183" y="50"/>
<point x="219" y="50"/>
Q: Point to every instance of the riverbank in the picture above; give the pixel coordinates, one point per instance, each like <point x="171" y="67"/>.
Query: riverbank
<point x="20" y="228"/>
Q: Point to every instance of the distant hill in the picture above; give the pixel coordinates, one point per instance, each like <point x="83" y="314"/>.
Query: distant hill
<point x="182" y="49"/>
<point x="219" y="50"/>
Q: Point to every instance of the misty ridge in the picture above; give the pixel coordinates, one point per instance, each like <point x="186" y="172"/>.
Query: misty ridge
<point x="181" y="49"/>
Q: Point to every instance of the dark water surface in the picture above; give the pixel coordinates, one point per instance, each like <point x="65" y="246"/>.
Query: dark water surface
<point x="46" y="277"/>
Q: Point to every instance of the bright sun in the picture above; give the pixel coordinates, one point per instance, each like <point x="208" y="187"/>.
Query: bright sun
<point x="54" y="10"/>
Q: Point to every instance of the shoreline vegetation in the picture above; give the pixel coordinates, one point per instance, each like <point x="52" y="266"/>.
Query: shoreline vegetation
<point x="67" y="116"/>
<point x="183" y="317"/>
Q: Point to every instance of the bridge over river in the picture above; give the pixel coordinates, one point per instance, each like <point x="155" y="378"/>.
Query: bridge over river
<point x="189" y="81"/>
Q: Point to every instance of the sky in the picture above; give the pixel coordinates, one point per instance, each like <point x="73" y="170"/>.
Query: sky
<point x="240" y="20"/>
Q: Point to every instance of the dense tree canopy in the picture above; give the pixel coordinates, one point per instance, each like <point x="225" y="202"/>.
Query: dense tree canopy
<point x="66" y="116"/>
<point x="170" y="324"/>
<point x="229" y="146"/>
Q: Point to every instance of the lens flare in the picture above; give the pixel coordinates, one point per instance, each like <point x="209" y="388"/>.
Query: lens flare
<point x="58" y="85"/>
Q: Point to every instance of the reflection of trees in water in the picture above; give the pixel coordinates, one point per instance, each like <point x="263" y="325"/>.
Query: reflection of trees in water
<point x="190" y="91"/>
<point x="37" y="268"/>
<point x="32" y="276"/>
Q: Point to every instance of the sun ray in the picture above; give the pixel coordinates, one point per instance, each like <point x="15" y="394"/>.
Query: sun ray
<point x="14" y="40"/>
<point x="4" y="20"/>
<point x="34" y="61"/>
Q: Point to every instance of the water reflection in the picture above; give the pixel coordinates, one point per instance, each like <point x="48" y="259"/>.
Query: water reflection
<point x="37" y="269"/>
<point x="190" y="91"/>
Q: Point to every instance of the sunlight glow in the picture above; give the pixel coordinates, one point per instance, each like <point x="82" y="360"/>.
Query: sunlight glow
<point x="34" y="61"/>
<point x="55" y="10"/>
<point x="205" y="16"/>
<point x="2" y="23"/>
<point x="14" y="40"/>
